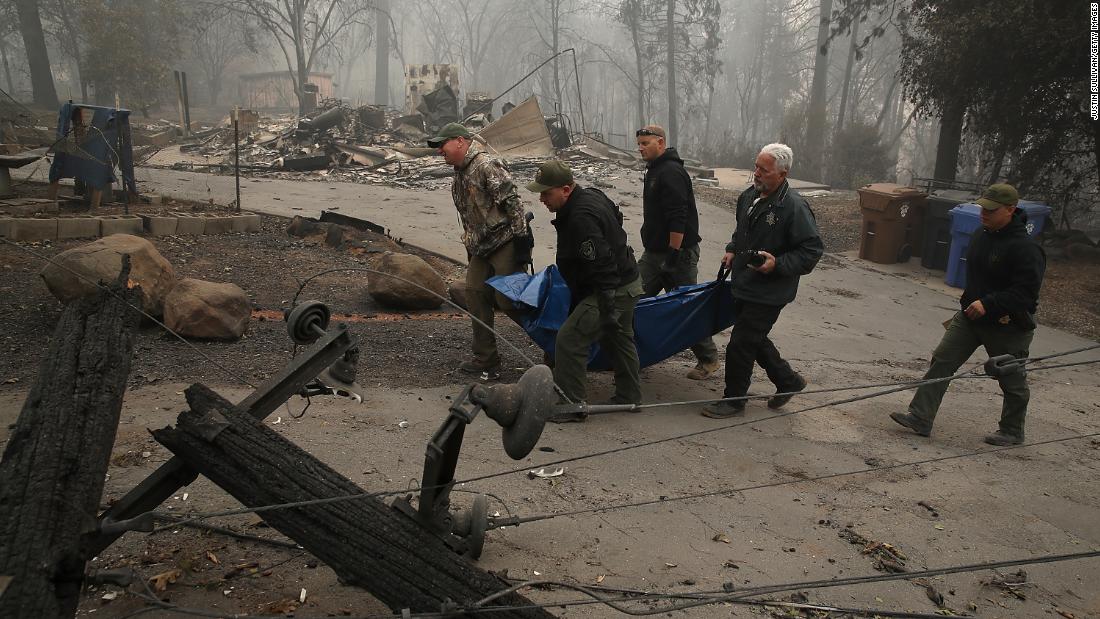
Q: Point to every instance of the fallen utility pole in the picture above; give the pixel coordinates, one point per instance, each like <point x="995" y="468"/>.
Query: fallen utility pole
<point x="366" y="542"/>
<point x="56" y="460"/>
<point x="175" y="474"/>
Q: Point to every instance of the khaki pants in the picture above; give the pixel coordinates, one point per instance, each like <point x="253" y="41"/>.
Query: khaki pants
<point x="581" y="329"/>
<point x="960" y="341"/>
<point x="482" y="300"/>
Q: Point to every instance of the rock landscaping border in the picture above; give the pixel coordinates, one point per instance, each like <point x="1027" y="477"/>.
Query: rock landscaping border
<point x="96" y="226"/>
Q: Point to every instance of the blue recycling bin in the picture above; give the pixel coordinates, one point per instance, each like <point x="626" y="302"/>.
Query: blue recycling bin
<point x="1037" y="216"/>
<point x="966" y="218"/>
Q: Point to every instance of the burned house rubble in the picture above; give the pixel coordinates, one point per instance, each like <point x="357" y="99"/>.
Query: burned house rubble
<point x="373" y="145"/>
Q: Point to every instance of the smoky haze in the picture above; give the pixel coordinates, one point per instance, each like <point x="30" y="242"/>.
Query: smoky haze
<point x="862" y="91"/>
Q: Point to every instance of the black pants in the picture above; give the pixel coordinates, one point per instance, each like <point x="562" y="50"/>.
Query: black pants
<point x="749" y="344"/>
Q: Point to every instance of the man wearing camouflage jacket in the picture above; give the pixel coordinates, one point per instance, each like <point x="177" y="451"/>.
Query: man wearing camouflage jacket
<point x="494" y="232"/>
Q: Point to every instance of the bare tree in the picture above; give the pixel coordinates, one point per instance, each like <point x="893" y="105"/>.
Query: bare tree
<point x="549" y="19"/>
<point x="440" y="31"/>
<point x="220" y="36"/>
<point x="34" y="41"/>
<point x="637" y="15"/>
<point x="304" y="30"/>
<point x="62" y="23"/>
<point x="481" y="20"/>
<point x="815" y="127"/>
<point x="846" y="86"/>
<point x="382" y="55"/>
<point x="8" y="21"/>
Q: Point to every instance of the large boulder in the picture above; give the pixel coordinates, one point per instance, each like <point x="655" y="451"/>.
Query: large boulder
<point x="207" y="310"/>
<point x="457" y="291"/>
<point x="398" y="294"/>
<point x="101" y="260"/>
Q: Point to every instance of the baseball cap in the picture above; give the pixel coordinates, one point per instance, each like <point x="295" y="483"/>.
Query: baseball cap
<point x="449" y="130"/>
<point x="552" y="173"/>
<point x="997" y="196"/>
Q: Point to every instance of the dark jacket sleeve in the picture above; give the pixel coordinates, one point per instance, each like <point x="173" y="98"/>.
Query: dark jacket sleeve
<point x="676" y="197"/>
<point x="1026" y="275"/>
<point x="599" y="270"/>
<point x="804" y="242"/>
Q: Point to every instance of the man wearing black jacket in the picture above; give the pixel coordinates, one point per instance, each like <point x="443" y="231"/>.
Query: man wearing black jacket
<point x="599" y="267"/>
<point x="775" y="243"/>
<point x="670" y="231"/>
<point x="1004" y="271"/>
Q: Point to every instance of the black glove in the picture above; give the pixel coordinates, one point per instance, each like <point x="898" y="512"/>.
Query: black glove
<point x="654" y="287"/>
<point x="521" y="248"/>
<point x="672" y="260"/>
<point x="609" y="313"/>
<point x="668" y="268"/>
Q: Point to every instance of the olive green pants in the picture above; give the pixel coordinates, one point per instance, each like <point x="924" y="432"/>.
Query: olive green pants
<point x="962" y="338"/>
<point x="582" y="329"/>
<point x="482" y="300"/>
<point x="686" y="273"/>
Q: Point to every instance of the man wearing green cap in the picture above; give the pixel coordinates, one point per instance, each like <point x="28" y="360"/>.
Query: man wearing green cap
<point x="494" y="232"/>
<point x="1004" y="271"/>
<point x="599" y="267"/>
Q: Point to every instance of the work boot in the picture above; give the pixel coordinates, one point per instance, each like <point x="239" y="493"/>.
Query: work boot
<point x="911" y="421"/>
<point x="724" y="409"/>
<point x="703" y="369"/>
<point x="484" y="370"/>
<point x="1001" y="439"/>
<point x="777" y="401"/>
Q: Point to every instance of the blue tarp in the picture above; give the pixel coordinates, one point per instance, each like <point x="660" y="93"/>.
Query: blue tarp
<point x="663" y="325"/>
<point x="92" y="161"/>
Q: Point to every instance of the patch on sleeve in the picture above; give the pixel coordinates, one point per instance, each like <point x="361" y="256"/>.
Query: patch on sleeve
<point x="588" y="250"/>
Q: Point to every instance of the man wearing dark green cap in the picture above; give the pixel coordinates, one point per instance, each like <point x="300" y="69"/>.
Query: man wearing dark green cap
<point x="494" y="232"/>
<point x="1004" y="271"/>
<point x="599" y="267"/>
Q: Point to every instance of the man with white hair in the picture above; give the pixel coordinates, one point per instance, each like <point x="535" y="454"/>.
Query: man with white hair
<point x="775" y="242"/>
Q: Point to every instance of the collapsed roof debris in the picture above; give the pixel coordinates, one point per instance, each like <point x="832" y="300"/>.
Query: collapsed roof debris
<point x="372" y="145"/>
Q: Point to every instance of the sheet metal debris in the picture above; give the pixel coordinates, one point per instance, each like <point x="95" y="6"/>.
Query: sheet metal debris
<point x="546" y="472"/>
<point x="375" y="146"/>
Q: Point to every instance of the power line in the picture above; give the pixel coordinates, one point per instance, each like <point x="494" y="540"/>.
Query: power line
<point x="386" y="493"/>
<point x="517" y="520"/>
<point x="694" y="598"/>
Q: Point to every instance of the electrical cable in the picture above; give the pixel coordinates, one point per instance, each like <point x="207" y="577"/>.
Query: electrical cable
<point x="1061" y="354"/>
<point x="695" y="599"/>
<point x="224" y="531"/>
<point x="433" y="293"/>
<point x="387" y="493"/>
<point x="763" y="486"/>
<point x="727" y="491"/>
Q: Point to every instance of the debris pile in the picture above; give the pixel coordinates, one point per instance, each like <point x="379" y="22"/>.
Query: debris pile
<point x="372" y="145"/>
<point x="886" y="557"/>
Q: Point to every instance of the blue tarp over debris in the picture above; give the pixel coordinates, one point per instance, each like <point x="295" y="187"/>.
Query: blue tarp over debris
<point x="91" y="154"/>
<point x="663" y="325"/>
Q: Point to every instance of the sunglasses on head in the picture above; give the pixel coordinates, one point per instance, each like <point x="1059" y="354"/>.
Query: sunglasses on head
<point x="640" y="132"/>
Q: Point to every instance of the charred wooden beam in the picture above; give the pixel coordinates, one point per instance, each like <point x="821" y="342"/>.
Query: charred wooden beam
<point x="56" y="459"/>
<point x="366" y="542"/>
